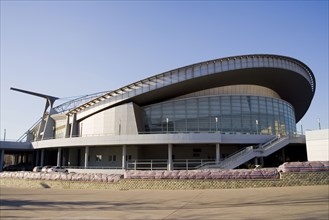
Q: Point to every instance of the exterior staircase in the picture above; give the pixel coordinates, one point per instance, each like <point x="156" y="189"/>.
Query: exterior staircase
<point x="249" y="153"/>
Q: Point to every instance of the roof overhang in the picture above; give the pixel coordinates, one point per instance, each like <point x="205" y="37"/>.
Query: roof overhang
<point x="290" y="78"/>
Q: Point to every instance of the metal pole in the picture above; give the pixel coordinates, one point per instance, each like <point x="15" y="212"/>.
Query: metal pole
<point x="256" y="126"/>
<point x="167" y="120"/>
<point x="301" y="127"/>
<point x="319" y="123"/>
<point x="216" y="119"/>
<point x="4" y="134"/>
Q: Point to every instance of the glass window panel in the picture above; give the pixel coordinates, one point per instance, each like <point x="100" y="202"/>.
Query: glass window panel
<point x="191" y="108"/>
<point x="204" y="124"/>
<point x="236" y="104"/>
<point x="204" y="69"/>
<point x="203" y="107"/>
<point x="180" y="111"/>
<point x="275" y="107"/>
<point x="181" y="74"/>
<point x="214" y="106"/>
<point x="199" y="114"/>
<point x="224" y="65"/>
<point x="245" y="104"/>
<point x="211" y="67"/>
<point x="262" y="105"/>
<point x="238" y="63"/>
<point x="218" y="66"/>
<point x="225" y="105"/>
<point x="192" y="124"/>
<point x="180" y="125"/>
<point x="189" y="73"/>
<point x="174" y="76"/>
<point x="236" y="123"/>
<point x="246" y="123"/>
<point x="225" y="124"/>
<point x="269" y="106"/>
<point x="160" y="81"/>
<point x="196" y="70"/>
<point x="231" y="64"/>
<point x="166" y="79"/>
<point x="254" y="104"/>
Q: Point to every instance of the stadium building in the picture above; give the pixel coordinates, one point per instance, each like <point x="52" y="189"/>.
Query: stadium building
<point x="227" y="113"/>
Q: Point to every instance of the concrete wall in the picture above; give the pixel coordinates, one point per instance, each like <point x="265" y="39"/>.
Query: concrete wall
<point x="119" y="120"/>
<point x="105" y="156"/>
<point x="317" y="145"/>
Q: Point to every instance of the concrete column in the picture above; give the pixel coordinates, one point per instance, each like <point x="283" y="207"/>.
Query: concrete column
<point x="16" y="159"/>
<point x="261" y="161"/>
<point x="170" y="162"/>
<point x="42" y="157"/>
<point x="86" y="156"/>
<point x="2" y="157"/>
<point x="256" y="160"/>
<point x="67" y="127"/>
<point x="68" y="157"/>
<point x="283" y="155"/>
<point x="37" y="158"/>
<point x="74" y="126"/>
<point x="59" y="156"/>
<point x="124" y="157"/>
<point x="217" y="153"/>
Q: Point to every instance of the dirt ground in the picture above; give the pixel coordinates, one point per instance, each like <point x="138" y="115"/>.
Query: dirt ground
<point x="303" y="202"/>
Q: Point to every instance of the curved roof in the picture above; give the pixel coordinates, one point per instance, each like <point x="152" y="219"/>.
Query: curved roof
<point x="290" y="78"/>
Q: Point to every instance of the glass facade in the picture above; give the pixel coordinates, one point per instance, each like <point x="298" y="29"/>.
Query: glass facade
<point x="244" y="114"/>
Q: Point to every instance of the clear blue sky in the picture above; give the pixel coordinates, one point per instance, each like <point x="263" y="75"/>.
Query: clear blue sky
<point x="70" y="48"/>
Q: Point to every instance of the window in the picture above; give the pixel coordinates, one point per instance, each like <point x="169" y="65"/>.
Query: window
<point x="98" y="158"/>
<point x="196" y="155"/>
<point x="112" y="158"/>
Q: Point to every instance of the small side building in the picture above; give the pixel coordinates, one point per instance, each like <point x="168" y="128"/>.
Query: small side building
<point x="317" y="145"/>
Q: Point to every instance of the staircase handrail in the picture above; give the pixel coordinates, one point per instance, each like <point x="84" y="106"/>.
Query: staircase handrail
<point x="246" y="151"/>
<point x="25" y="134"/>
<point x="205" y="164"/>
<point x="270" y="143"/>
<point x="233" y="157"/>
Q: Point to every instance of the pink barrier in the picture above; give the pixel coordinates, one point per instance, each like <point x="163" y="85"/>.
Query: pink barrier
<point x="264" y="173"/>
<point x="95" y="177"/>
<point x="312" y="166"/>
<point x="270" y="173"/>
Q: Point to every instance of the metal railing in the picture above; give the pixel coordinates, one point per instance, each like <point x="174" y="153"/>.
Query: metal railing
<point x="21" y="138"/>
<point x="269" y="143"/>
<point x="162" y="164"/>
<point x="93" y="167"/>
<point x="156" y="164"/>
<point x="238" y="156"/>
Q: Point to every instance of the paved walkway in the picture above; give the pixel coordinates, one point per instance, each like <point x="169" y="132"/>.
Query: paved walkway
<point x="304" y="202"/>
